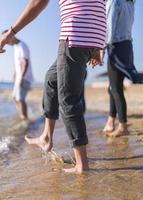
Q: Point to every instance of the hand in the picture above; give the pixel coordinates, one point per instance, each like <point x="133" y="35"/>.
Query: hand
<point x="2" y="50"/>
<point x="97" y="58"/>
<point x="5" y="39"/>
<point x="21" y="82"/>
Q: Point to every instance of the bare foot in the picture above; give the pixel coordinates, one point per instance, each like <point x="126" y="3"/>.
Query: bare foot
<point x="75" y="170"/>
<point x="108" y="133"/>
<point x="108" y="128"/>
<point x="45" y="144"/>
<point x="110" y="125"/>
<point x="118" y="133"/>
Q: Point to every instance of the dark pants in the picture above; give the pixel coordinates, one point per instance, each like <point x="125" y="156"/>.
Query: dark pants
<point x="121" y="56"/>
<point x="120" y="64"/>
<point x="83" y="95"/>
<point x="64" y="84"/>
<point x="116" y="93"/>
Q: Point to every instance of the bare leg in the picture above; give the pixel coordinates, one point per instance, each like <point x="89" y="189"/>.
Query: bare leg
<point x="22" y="109"/>
<point x="81" y="160"/>
<point x="45" y="140"/>
<point x="110" y="125"/>
<point x="120" y="131"/>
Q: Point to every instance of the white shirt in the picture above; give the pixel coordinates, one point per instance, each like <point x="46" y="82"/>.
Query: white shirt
<point x="21" y="52"/>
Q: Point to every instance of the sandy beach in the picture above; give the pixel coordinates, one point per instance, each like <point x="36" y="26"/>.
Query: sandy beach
<point x="116" y="165"/>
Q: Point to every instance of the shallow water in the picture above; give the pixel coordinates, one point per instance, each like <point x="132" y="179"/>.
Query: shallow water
<point x="116" y="167"/>
<point x="6" y="108"/>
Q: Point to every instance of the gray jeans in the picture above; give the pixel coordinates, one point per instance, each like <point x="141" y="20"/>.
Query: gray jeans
<point x="64" y="84"/>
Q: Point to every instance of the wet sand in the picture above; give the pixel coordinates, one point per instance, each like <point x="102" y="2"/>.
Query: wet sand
<point x="116" y="165"/>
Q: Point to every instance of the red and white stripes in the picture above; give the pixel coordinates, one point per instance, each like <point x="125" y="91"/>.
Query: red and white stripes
<point x="83" y="22"/>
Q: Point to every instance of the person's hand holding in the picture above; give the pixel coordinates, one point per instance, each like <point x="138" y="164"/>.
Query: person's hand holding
<point x="5" y="38"/>
<point x="21" y="82"/>
<point x="97" y="58"/>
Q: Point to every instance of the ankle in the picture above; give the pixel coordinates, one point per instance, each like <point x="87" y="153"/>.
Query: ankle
<point x="111" y="119"/>
<point x="82" y="165"/>
<point x="122" y="126"/>
<point x="81" y="158"/>
<point x="81" y="168"/>
<point x="44" y="138"/>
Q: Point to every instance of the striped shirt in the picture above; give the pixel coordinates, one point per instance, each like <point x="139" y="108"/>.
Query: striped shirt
<point x="83" y="22"/>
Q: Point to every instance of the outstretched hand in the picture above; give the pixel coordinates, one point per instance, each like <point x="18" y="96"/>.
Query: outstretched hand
<point x="97" y="58"/>
<point x="5" y="38"/>
<point x="2" y="50"/>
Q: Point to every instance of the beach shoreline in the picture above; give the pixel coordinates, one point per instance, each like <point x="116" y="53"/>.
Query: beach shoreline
<point x="95" y="95"/>
<point x="97" y="100"/>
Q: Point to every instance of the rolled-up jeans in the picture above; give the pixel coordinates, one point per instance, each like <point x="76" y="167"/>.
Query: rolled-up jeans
<point x="63" y="88"/>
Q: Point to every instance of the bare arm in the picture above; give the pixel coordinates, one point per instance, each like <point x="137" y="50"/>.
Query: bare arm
<point x="24" y="66"/>
<point x="33" y="9"/>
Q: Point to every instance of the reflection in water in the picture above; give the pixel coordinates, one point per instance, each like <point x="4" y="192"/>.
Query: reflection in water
<point x="116" y="167"/>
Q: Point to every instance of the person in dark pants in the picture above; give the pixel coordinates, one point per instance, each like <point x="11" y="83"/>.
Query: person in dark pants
<point x="83" y="94"/>
<point x="82" y="39"/>
<point x="120" y="17"/>
<point x="116" y="94"/>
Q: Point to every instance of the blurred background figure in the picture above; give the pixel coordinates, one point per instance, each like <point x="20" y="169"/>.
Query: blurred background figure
<point x="120" y="17"/>
<point x="22" y="77"/>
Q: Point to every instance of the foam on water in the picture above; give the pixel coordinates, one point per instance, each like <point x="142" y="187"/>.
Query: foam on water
<point x="5" y="143"/>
